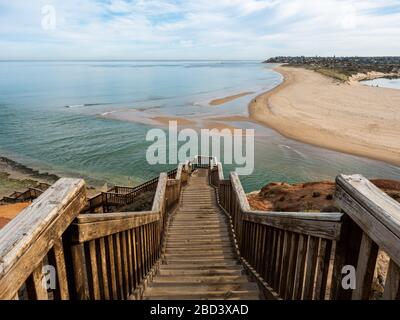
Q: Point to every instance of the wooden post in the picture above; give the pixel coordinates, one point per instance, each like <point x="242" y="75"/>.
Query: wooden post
<point x="347" y="251"/>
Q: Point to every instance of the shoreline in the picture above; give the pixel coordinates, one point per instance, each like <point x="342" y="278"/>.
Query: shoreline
<point x="15" y="176"/>
<point x="314" y="109"/>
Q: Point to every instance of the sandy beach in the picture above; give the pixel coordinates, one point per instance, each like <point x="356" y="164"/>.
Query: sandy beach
<point x="346" y="117"/>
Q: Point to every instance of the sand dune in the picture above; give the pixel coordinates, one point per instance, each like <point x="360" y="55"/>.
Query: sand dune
<point x="315" y="109"/>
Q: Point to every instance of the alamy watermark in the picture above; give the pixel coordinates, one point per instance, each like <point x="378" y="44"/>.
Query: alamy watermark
<point x="49" y="277"/>
<point x="235" y="145"/>
<point x="49" y="18"/>
<point x="349" y="277"/>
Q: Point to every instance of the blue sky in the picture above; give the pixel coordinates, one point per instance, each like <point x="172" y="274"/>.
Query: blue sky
<point x="197" y="29"/>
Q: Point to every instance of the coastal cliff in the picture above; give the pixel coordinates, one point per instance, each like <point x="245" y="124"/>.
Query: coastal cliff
<point x="309" y="196"/>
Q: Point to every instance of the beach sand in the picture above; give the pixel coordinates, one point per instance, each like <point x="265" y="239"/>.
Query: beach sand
<point x="224" y="100"/>
<point x="318" y="110"/>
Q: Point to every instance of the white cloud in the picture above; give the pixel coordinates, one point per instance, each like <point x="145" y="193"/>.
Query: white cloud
<point x="211" y="28"/>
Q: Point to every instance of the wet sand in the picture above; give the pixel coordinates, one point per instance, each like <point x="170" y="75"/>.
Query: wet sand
<point x="227" y="99"/>
<point x="318" y="110"/>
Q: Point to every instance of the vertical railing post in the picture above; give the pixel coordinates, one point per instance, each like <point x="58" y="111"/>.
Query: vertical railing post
<point x="346" y="254"/>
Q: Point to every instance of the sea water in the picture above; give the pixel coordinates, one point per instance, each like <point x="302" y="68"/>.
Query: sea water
<point x="51" y="119"/>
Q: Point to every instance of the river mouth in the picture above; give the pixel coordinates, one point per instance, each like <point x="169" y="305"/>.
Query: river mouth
<point x="391" y="83"/>
<point x="37" y="130"/>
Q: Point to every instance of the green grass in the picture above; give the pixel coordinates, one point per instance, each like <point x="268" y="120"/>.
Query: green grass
<point x="333" y="73"/>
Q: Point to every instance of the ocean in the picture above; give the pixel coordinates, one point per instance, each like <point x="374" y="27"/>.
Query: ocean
<point x="51" y="119"/>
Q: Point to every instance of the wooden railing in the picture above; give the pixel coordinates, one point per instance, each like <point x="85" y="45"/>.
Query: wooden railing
<point x="302" y="255"/>
<point x="118" y="197"/>
<point x="28" y="195"/>
<point x="114" y="255"/>
<point x="107" y="256"/>
<point x="373" y="224"/>
<point x="35" y="238"/>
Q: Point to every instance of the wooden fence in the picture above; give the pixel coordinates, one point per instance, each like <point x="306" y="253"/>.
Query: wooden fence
<point x="119" y="196"/>
<point x="302" y="255"/>
<point x="107" y="256"/>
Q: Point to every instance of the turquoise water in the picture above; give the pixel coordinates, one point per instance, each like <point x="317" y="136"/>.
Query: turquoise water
<point x="39" y="130"/>
<point x="384" y="83"/>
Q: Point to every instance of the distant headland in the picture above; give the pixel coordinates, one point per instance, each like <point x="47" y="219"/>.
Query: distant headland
<point x="346" y="68"/>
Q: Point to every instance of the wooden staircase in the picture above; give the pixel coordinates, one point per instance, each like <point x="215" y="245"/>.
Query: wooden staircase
<point x="183" y="248"/>
<point x="199" y="261"/>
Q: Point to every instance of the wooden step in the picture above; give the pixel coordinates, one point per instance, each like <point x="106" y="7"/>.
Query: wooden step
<point x="204" y="261"/>
<point x="199" y="261"/>
<point x="198" y="273"/>
<point x="200" y="219"/>
<point x="198" y="242"/>
<point x="190" y="279"/>
<point x="203" y="255"/>
<point x="178" y="287"/>
<point x="195" y="223"/>
<point x="198" y="246"/>
<point x="202" y="248"/>
<point x="202" y="226"/>
<point x="197" y="233"/>
<point x="237" y="295"/>
<point x="209" y="291"/>
<point x="180" y="238"/>
<point x="201" y="267"/>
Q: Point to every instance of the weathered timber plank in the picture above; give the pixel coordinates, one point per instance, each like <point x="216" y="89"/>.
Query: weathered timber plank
<point x="57" y="259"/>
<point x="118" y="264"/>
<point x="365" y="268"/>
<point x="346" y="253"/>
<point x="312" y="253"/>
<point x="94" y="230"/>
<point x="26" y="240"/>
<point x="104" y="274"/>
<point x="93" y="278"/>
<point x="382" y="207"/>
<point x="373" y="220"/>
<point x="300" y="268"/>
<point x="324" y="254"/>
<point x="323" y="226"/>
<point x="239" y="192"/>
<point x="112" y="274"/>
<point x="159" y="197"/>
<point x="35" y="286"/>
<point x="291" y="266"/>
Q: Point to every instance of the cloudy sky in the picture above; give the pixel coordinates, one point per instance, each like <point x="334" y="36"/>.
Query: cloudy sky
<point x="197" y="29"/>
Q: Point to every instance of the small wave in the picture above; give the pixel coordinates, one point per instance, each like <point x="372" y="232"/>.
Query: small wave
<point x="292" y="149"/>
<point x="84" y="105"/>
<point x="75" y="106"/>
<point x="108" y="112"/>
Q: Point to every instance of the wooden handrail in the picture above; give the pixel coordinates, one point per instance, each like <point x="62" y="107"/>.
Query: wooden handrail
<point x="33" y="234"/>
<point x="374" y="226"/>
<point x="115" y="223"/>
<point x="327" y="225"/>
<point x="113" y="254"/>
<point x="296" y="248"/>
<point x="125" y="198"/>
<point x="287" y="253"/>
